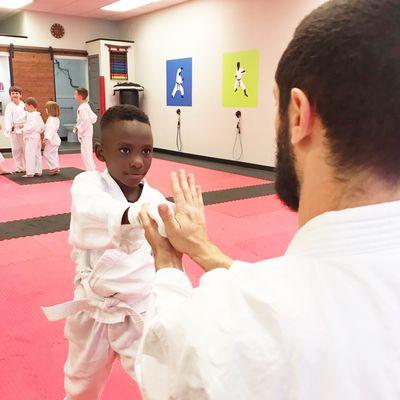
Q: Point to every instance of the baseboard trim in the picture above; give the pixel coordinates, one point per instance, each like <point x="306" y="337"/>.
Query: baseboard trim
<point x="215" y="159"/>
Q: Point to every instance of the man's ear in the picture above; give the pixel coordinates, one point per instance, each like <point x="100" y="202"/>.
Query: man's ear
<point x="99" y="151"/>
<point x="299" y="116"/>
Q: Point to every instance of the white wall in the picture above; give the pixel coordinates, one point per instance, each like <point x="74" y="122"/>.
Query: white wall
<point x="14" y="24"/>
<point x="204" y="29"/>
<point x="77" y="31"/>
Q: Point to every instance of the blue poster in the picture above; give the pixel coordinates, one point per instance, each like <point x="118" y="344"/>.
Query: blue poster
<point x="179" y="82"/>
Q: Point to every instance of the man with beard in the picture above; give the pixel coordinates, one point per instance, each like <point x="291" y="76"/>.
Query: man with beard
<point x="322" y="321"/>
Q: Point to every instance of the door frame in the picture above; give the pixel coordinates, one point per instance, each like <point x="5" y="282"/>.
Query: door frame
<point x="71" y="57"/>
<point x="96" y="127"/>
<point x="32" y="49"/>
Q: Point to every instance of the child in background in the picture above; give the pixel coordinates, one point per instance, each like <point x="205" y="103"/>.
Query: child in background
<point x="2" y="171"/>
<point x="2" y="159"/>
<point x="114" y="263"/>
<point x="14" y="119"/>
<point x="84" y="128"/>
<point x="32" y="130"/>
<point x="51" y="139"/>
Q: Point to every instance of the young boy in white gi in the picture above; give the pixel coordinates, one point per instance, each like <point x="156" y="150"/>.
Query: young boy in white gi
<point x="51" y="139"/>
<point x="114" y="263"/>
<point x="2" y="159"/>
<point x="2" y="171"/>
<point x="32" y="131"/>
<point x="84" y="128"/>
<point x="14" y="119"/>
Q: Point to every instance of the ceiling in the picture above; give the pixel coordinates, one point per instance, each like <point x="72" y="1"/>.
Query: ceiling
<point x="89" y="8"/>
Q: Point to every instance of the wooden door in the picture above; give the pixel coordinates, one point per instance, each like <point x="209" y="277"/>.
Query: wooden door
<point x="34" y="72"/>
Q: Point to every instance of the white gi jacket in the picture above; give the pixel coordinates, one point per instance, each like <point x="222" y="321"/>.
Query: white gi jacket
<point x="51" y="131"/>
<point x="34" y="125"/>
<point x="85" y="120"/>
<point x="320" y="323"/>
<point x="114" y="263"/>
<point x="14" y="117"/>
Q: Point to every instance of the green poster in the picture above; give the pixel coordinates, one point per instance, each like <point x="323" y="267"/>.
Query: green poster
<point x="240" y="79"/>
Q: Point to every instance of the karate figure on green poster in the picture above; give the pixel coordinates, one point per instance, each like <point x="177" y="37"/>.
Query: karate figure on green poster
<point x="239" y="79"/>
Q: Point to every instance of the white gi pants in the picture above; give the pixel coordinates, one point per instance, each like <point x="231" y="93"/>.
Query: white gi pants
<point x="87" y="152"/>
<point x="239" y="83"/>
<point x="50" y="154"/>
<point x="178" y="86"/>
<point x="93" y="347"/>
<point x="2" y="159"/>
<point x="33" y="156"/>
<point x="18" y="152"/>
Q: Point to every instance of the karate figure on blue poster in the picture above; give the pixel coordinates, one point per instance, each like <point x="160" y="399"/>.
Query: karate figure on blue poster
<point x="179" y="82"/>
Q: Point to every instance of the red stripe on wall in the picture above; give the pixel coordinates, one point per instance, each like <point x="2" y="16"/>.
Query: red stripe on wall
<point x="102" y="95"/>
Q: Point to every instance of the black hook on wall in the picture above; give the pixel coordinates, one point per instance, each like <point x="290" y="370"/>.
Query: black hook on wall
<point x="238" y="138"/>
<point x="179" y="143"/>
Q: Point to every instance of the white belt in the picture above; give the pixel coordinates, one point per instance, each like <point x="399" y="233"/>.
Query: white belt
<point x="63" y="310"/>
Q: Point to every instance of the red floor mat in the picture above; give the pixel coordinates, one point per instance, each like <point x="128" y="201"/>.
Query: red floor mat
<point x="249" y="207"/>
<point x="36" y="271"/>
<point x="28" y="201"/>
<point x="34" y="348"/>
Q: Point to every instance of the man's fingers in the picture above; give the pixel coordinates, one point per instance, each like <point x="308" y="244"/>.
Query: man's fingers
<point x="145" y="219"/>
<point x="143" y="216"/>
<point x="164" y="210"/>
<point x="179" y="198"/>
<point x="199" y="196"/>
<point x="183" y="181"/>
<point x="192" y="187"/>
<point x="168" y="217"/>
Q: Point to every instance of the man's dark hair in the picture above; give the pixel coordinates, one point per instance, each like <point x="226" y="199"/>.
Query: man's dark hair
<point x="123" y="112"/>
<point x="17" y="89"/>
<point x="82" y="92"/>
<point x="345" y="56"/>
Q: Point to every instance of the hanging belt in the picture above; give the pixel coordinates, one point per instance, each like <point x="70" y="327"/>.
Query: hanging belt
<point x="179" y="143"/>
<point x="63" y="310"/>
<point x="238" y="139"/>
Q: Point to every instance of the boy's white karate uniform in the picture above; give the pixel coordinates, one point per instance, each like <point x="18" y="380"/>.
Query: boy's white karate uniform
<point x="178" y="83"/>
<point x="50" y="152"/>
<point x="239" y="79"/>
<point x="114" y="273"/>
<point x="84" y="126"/>
<point x="32" y="129"/>
<point x="14" y="119"/>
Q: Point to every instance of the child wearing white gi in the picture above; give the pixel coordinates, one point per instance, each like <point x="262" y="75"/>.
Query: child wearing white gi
<point x="2" y="159"/>
<point x="2" y="171"/>
<point x="114" y="263"/>
<point x="32" y="131"/>
<point x="14" y="119"/>
<point x="84" y="128"/>
<point x="52" y="140"/>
